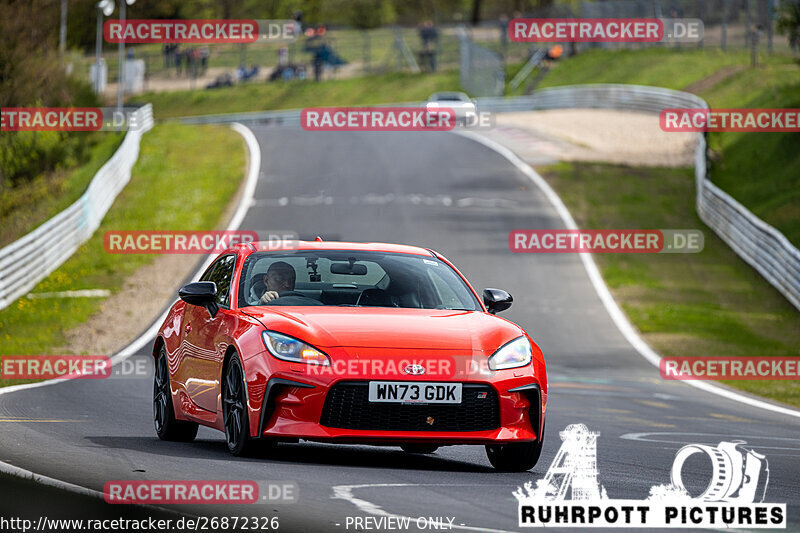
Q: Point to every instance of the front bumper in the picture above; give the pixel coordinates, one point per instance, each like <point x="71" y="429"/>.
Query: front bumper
<point x="293" y="405"/>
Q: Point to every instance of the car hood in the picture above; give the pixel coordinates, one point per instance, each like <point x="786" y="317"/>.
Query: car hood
<point x="375" y="327"/>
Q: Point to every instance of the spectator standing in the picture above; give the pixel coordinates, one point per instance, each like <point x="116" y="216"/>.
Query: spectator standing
<point x="204" y="55"/>
<point x="429" y="36"/>
<point x="178" y="60"/>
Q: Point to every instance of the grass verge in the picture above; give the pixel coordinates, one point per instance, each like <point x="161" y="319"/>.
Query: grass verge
<point x="184" y="179"/>
<point x="663" y="67"/>
<point x="257" y="96"/>
<point x="705" y="304"/>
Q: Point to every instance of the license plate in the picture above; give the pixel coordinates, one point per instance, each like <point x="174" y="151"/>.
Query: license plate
<point x="414" y="392"/>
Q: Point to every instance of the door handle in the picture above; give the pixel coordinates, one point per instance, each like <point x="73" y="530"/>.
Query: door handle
<point x="188" y="328"/>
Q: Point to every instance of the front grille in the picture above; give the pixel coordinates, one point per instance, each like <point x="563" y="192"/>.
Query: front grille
<point x="347" y="406"/>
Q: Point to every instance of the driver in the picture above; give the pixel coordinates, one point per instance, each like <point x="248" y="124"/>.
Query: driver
<point x="280" y="280"/>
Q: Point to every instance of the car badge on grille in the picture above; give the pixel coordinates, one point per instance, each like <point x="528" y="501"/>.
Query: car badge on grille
<point x="429" y="421"/>
<point x="414" y="370"/>
<point x="482" y="395"/>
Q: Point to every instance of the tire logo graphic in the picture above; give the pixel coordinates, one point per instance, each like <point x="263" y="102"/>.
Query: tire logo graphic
<point x="739" y="474"/>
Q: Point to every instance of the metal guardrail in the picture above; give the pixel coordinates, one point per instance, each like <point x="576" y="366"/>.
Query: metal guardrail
<point x="28" y="260"/>
<point x="283" y="117"/>
<point x="289" y="117"/>
<point x="760" y="245"/>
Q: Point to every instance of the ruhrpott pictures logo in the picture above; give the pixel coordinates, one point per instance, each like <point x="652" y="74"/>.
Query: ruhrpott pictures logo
<point x="570" y="494"/>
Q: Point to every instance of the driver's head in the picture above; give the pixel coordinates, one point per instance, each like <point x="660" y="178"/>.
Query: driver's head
<point x="280" y="277"/>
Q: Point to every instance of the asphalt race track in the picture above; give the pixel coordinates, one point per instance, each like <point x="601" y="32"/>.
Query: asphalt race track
<point x="459" y="197"/>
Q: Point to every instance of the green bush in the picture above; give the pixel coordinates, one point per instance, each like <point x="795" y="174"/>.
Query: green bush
<point x="33" y="74"/>
<point x="27" y="154"/>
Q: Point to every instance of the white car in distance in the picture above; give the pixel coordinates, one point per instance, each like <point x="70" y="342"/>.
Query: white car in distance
<point x="463" y="106"/>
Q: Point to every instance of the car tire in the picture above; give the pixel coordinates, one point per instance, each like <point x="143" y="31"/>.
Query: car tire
<point x="419" y="448"/>
<point x="167" y="426"/>
<point x="234" y="409"/>
<point x="516" y="456"/>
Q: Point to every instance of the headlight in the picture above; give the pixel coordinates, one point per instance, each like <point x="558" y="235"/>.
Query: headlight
<point x="288" y="348"/>
<point x="511" y="355"/>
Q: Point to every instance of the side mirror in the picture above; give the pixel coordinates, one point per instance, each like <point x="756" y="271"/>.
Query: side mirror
<point x="496" y="300"/>
<point x="202" y="293"/>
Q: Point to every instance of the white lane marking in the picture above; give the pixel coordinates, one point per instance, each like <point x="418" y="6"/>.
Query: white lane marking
<point x="254" y="166"/>
<point x="85" y="293"/>
<point x="345" y="492"/>
<point x="648" y="437"/>
<point x="619" y="318"/>
<point x="439" y="200"/>
<point x="663" y="396"/>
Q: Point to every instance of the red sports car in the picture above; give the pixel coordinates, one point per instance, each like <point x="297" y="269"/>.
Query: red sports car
<point x="350" y="343"/>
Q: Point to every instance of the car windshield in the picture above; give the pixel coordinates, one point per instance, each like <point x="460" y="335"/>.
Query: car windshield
<point x="354" y="278"/>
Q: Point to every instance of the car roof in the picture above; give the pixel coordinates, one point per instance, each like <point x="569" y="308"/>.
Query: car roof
<point x="337" y="245"/>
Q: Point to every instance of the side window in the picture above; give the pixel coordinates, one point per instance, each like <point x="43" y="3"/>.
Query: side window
<point x="221" y="273"/>
<point x="209" y="271"/>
